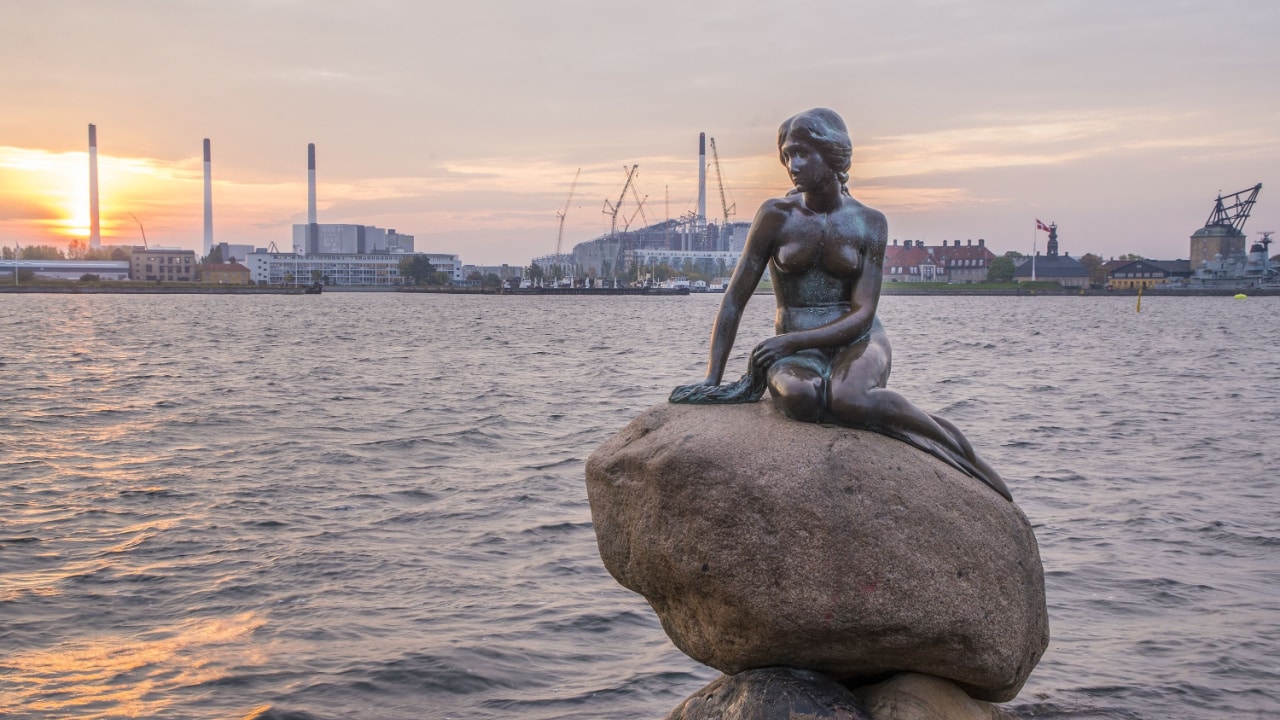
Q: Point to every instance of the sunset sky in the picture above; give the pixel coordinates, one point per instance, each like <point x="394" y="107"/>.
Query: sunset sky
<point x="463" y="123"/>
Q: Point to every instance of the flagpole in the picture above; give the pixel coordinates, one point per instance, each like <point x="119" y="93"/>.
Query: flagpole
<point x="1035" y="235"/>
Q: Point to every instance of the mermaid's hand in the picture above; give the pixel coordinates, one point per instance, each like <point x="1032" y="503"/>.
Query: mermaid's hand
<point x="771" y="351"/>
<point x="692" y="393"/>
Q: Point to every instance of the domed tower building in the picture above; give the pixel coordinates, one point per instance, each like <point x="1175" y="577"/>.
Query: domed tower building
<point x="1222" y="239"/>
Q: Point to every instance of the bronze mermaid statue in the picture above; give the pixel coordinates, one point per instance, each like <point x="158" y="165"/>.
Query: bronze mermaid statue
<point x="830" y="359"/>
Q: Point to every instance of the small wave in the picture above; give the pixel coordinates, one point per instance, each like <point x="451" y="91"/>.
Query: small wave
<point x="415" y="494"/>
<point x="150" y="492"/>
<point x="274" y="713"/>
<point x="558" y="528"/>
<point x="264" y="523"/>
<point x="598" y="623"/>
<point x="555" y="464"/>
<point x="340" y="458"/>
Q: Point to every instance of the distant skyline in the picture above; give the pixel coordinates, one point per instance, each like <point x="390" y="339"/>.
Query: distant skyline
<point x="464" y="124"/>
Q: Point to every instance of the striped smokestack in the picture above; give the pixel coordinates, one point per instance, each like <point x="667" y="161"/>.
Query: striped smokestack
<point x="311" y="183"/>
<point x="208" y="200"/>
<point x="95" y="236"/>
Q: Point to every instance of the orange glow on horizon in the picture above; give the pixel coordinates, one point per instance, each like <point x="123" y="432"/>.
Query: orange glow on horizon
<point x="46" y="197"/>
<point x="53" y="190"/>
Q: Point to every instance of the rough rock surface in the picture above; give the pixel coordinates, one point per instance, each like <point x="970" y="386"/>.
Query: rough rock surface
<point x="762" y="541"/>
<point x="912" y="696"/>
<point x="771" y="694"/>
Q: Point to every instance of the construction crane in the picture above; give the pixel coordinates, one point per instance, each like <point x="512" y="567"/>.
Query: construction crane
<point x="564" y="212"/>
<point x="611" y="209"/>
<point x="626" y="224"/>
<point x="644" y="219"/>
<point x="140" y="229"/>
<point x="728" y="209"/>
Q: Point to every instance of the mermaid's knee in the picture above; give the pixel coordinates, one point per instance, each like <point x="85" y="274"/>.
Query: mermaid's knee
<point x="798" y="397"/>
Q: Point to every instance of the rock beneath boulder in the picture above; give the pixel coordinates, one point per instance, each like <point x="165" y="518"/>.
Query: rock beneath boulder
<point x="912" y="696"/>
<point x="761" y="541"/>
<point x="771" y="694"/>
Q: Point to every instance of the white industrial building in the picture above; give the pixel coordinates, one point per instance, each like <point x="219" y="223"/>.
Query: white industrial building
<point x="710" y="262"/>
<point x="65" y="269"/>
<point x="340" y="268"/>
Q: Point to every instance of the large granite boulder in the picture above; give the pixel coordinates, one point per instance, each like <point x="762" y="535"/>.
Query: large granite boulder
<point x="772" y="694"/>
<point x="761" y="541"/>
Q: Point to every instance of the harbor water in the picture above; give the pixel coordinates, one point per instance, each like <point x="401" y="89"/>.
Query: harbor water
<point x="372" y="505"/>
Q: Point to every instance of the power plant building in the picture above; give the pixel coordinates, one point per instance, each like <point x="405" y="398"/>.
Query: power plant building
<point x="234" y="251"/>
<point x="343" y="239"/>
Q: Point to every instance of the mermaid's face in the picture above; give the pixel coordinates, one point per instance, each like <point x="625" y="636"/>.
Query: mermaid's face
<point x="807" y="167"/>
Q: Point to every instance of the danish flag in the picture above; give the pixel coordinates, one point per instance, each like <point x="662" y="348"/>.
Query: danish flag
<point x="1041" y="226"/>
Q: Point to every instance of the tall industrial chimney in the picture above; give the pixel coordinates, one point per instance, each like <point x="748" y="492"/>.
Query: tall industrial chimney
<point x="95" y="236"/>
<point x="702" y="178"/>
<point x="311" y="183"/>
<point x="208" y="200"/>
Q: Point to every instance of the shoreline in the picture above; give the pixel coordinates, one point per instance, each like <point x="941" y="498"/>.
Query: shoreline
<point x="629" y="292"/>
<point x="154" y="290"/>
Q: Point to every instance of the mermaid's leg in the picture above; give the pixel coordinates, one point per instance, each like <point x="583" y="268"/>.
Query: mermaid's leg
<point x="857" y="398"/>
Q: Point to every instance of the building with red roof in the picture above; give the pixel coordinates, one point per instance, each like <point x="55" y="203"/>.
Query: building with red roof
<point x="950" y="262"/>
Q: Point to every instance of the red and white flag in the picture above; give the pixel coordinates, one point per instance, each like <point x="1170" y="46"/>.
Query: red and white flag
<point x="1041" y="226"/>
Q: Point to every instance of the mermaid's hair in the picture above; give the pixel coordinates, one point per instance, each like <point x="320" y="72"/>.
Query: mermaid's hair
<point x="826" y="132"/>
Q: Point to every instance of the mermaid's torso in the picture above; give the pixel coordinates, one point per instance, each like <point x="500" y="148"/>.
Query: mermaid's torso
<point x="815" y="266"/>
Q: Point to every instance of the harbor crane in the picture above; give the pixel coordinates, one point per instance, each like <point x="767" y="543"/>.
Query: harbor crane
<point x="728" y="209"/>
<point x="564" y="212"/>
<point x="1233" y="210"/>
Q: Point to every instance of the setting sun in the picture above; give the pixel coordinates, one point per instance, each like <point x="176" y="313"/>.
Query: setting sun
<point x="51" y="191"/>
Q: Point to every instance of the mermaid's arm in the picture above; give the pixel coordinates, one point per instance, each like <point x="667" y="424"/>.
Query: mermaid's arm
<point x="746" y="276"/>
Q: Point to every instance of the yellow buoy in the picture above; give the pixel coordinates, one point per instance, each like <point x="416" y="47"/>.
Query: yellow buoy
<point x="1241" y="296"/>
